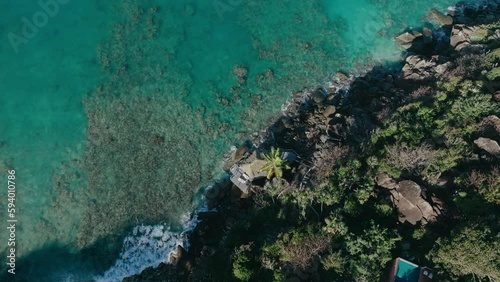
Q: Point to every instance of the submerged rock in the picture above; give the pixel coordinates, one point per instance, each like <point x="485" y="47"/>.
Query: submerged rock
<point x="427" y="35"/>
<point x="442" y="18"/>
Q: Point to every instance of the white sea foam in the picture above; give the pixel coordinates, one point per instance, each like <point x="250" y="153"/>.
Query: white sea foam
<point x="147" y="246"/>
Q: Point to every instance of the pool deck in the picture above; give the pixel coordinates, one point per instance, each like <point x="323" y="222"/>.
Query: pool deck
<point x="406" y="271"/>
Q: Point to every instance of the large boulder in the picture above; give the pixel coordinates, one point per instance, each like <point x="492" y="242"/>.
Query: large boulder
<point x="428" y="213"/>
<point x="235" y="157"/>
<point x="443" y="68"/>
<point x="410" y="190"/>
<point x="408" y="212"/>
<point x="407" y="37"/>
<point x="490" y="128"/>
<point x="411" y="40"/>
<point x="427" y="35"/>
<point x="407" y="198"/>
<point x="488" y="145"/>
<point x="385" y="181"/>
<point x="411" y="205"/>
<point x="441" y="18"/>
<point x="462" y="36"/>
<point x="329" y="111"/>
<point x="418" y="67"/>
<point x="319" y="95"/>
<point x="458" y="37"/>
<point x="496" y="96"/>
<point x="287" y="122"/>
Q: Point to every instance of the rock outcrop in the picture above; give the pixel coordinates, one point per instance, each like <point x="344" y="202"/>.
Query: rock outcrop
<point x="490" y="127"/>
<point x="407" y="198"/>
<point x="488" y="145"/>
<point x="463" y="36"/>
<point x="408" y="39"/>
<point x="319" y="95"/>
<point x="418" y="67"/>
<point x="441" y="18"/>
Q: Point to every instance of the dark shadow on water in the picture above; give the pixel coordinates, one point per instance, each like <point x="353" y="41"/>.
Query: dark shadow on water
<point x="55" y="262"/>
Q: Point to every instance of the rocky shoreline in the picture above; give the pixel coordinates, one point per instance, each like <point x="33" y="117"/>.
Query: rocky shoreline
<point x="317" y="124"/>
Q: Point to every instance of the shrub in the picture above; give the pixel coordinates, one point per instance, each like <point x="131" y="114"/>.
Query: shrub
<point x="421" y="93"/>
<point x="349" y="184"/>
<point x="468" y="87"/>
<point x="467" y="65"/>
<point x="334" y="261"/>
<point x="241" y="268"/>
<point x="494" y="56"/>
<point x="335" y="225"/>
<point x="470" y="251"/>
<point x="487" y="185"/>
<point x="405" y="158"/>
<point x="384" y="209"/>
<point x="493" y="74"/>
<point x="298" y="247"/>
<point x="468" y="110"/>
<point x="419" y="233"/>
<point x="324" y="164"/>
<point x="369" y="252"/>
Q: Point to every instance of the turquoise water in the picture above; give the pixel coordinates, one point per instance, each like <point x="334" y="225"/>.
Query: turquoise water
<point x="115" y="115"/>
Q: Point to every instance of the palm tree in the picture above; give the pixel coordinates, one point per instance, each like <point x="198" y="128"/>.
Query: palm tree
<point x="275" y="164"/>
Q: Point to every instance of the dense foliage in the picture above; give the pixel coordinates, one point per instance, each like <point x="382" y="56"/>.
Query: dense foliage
<point x="471" y="250"/>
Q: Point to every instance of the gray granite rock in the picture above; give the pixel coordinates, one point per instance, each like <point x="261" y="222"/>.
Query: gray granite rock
<point x="441" y="18"/>
<point x="488" y="145"/>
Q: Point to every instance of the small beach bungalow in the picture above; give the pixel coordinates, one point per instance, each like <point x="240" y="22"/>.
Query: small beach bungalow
<point x="240" y="178"/>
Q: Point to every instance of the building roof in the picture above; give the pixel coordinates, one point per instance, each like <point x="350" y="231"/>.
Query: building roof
<point x="240" y="179"/>
<point x="254" y="169"/>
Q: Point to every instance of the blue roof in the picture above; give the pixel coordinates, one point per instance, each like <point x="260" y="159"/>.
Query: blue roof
<point x="407" y="271"/>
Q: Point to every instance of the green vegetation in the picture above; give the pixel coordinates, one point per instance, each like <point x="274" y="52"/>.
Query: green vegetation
<point x="369" y="252"/>
<point x="493" y="74"/>
<point x="240" y="266"/>
<point x="471" y="250"/>
<point x="275" y="165"/>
